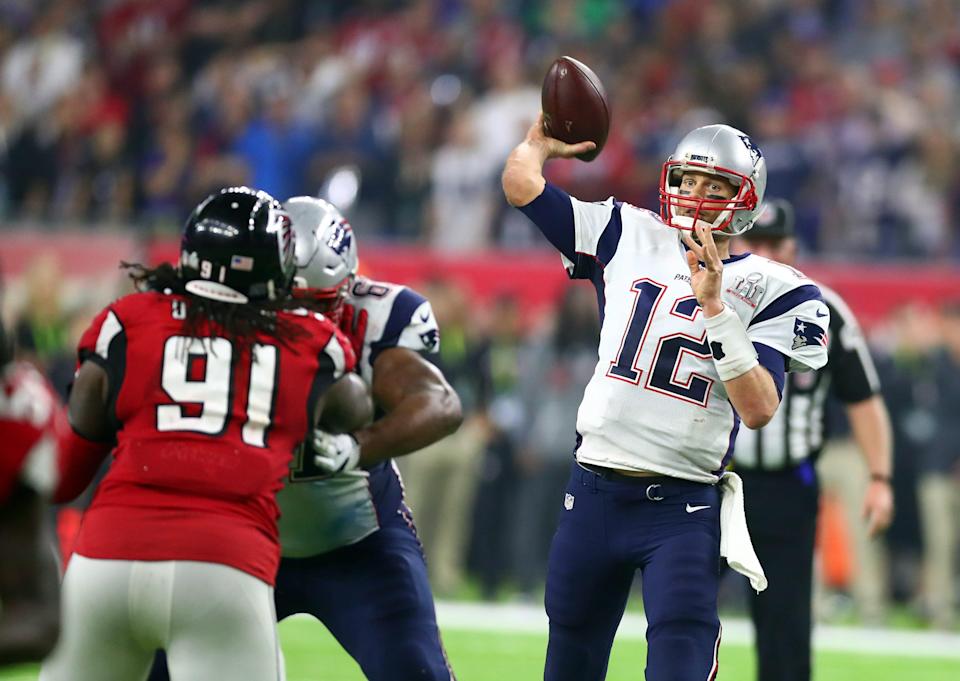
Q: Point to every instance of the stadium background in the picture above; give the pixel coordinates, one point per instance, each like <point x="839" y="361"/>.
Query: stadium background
<point x="117" y="116"/>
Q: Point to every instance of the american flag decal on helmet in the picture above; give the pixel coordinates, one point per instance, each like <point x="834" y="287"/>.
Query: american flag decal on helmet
<point x="241" y="262"/>
<point x="807" y="333"/>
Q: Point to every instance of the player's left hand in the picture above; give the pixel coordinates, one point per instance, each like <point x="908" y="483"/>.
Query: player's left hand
<point x="878" y="507"/>
<point x="335" y="453"/>
<point x="353" y="323"/>
<point x="705" y="281"/>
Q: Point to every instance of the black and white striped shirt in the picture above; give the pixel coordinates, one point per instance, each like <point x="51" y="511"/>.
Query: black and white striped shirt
<point x="797" y="430"/>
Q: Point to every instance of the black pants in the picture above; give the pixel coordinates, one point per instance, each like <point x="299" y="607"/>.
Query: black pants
<point x="781" y="511"/>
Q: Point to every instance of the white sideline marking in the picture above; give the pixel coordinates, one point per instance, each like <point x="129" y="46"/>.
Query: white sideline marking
<point x="532" y="619"/>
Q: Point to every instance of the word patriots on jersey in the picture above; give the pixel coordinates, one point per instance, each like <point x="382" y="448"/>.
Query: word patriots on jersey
<point x="335" y="453"/>
<point x="808" y="333"/>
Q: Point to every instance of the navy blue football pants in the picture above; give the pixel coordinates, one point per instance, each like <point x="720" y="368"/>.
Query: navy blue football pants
<point x="375" y="599"/>
<point x="610" y="526"/>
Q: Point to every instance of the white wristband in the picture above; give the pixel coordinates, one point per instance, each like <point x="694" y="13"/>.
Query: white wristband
<point x="733" y="353"/>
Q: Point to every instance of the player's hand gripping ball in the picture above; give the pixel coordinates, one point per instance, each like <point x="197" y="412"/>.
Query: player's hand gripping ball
<point x="574" y="104"/>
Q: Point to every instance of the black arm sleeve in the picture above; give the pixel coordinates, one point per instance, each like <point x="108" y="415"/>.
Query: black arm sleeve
<point x="854" y="376"/>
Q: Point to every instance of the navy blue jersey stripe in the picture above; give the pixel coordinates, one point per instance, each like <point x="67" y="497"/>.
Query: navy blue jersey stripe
<point x="552" y="213"/>
<point x="733" y="440"/>
<point x="787" y="302"/>
<point x="735" y="258"/>
<point x="610" y="238"/>
<point x="773" y="361"/>
<point x="598" y="283"/>
<point x="404" y="305"/>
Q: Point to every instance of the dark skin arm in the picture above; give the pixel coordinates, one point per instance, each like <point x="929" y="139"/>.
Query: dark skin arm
<point x="421" y="407"/>
<point x="89" y="418"/>
<point x="87" y="409"/>
<point x="29" y="582"/>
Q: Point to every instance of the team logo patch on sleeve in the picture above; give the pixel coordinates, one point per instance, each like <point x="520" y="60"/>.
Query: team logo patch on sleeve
<point x="807" y="333"/>
<point x="430" y="338"/>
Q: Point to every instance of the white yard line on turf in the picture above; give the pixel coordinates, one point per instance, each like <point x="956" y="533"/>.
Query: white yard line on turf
<point x="531" y="619"/>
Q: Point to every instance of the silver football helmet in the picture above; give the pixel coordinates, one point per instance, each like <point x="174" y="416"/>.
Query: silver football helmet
<point x="717" y="150"/>
<point x="326" y="252"/>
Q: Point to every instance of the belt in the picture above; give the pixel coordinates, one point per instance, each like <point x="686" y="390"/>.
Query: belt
<point x="614" y="474"/>
<point x="658" y="487"/>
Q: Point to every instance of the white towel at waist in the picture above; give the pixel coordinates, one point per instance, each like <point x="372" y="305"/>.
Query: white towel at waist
<point x="735" y="544"/>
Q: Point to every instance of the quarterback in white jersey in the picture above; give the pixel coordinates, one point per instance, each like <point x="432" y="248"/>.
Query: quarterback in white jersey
<point x="656" y="402"/>
<point x="692" y="342"/>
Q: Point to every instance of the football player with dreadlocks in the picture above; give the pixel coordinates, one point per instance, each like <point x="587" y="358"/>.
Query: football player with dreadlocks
<point x="691" y="342"/>
<point x="350" y="552"/>
<point x="202" y="385"/>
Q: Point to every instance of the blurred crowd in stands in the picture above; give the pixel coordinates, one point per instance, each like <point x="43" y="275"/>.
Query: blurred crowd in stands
<point x="128" y="111"/>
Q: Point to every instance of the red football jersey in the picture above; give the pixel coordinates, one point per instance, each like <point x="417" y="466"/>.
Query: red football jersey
<point x="31" y="421"/>
<point x="206" y="430"/>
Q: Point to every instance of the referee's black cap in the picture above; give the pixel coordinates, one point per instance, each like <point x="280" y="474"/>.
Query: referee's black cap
<point x="775" y="221"/>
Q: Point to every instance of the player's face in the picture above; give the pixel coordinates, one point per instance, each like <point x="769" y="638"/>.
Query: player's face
<point x="704" y="186"/>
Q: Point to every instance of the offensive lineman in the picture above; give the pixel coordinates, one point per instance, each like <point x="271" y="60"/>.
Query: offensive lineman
<point x="351" y="556"/>
<point x="208" y="381"/>
<point x="691" y="342"/>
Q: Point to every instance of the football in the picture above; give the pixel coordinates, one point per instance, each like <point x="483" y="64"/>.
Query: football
<point x="574" y="105"/>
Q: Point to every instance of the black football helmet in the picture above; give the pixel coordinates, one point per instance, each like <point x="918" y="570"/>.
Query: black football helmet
<point x="238" y="247"/>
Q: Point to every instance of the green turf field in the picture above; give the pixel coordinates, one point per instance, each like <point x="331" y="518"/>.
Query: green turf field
<point x="312" y="654"/>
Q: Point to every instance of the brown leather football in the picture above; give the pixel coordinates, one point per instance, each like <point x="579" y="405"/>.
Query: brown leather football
<point x="574" y="105"/>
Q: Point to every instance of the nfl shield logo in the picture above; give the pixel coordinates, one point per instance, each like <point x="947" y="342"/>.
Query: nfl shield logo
<point x="568" y="502"/>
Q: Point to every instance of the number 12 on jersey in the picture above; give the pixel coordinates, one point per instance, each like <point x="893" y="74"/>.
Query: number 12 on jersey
<point x="671" y="348"/>
<point x="199" y="373"/>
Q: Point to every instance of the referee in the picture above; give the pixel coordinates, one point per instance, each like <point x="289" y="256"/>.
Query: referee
<point x="779" y="477"/>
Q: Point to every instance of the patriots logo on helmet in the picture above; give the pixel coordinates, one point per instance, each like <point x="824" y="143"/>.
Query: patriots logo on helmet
<point x="754" y="150"/>
<point x="341" y="238"/>
<point x="807" y="333"/>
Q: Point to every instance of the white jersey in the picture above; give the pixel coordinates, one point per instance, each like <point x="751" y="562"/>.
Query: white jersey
<point x="319" y="513"/>
<point x="655" y="401"/>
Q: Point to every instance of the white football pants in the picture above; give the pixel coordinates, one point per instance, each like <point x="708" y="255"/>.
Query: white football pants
<point x="214" y="621"/>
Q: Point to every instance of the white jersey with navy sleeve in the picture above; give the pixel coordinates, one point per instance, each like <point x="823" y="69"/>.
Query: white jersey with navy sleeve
<point x="318" y="513"/>
<point x="655" y="401"/>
